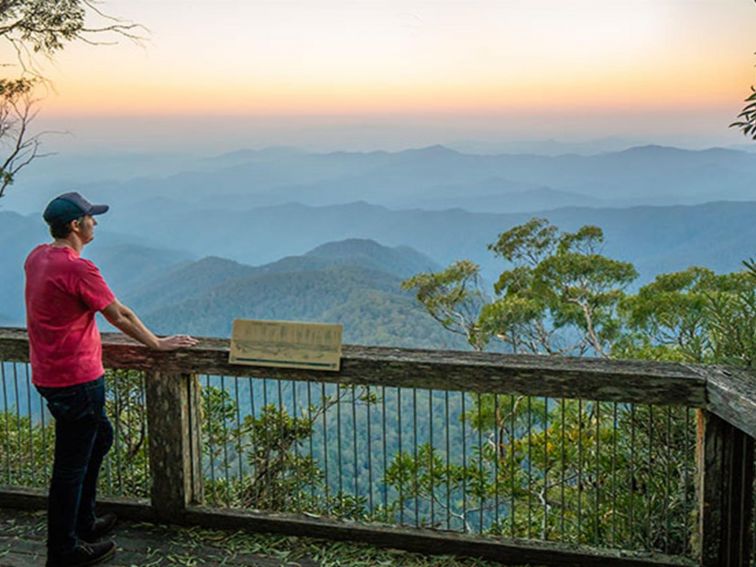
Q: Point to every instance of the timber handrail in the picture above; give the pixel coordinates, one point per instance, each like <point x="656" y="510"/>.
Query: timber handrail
<point x="568" y="377"/>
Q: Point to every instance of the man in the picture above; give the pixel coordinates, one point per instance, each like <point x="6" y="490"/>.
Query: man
<point x="63" y="293"/>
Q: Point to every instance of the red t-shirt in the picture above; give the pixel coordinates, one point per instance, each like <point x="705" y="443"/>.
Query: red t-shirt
<point x="63" y="293"/>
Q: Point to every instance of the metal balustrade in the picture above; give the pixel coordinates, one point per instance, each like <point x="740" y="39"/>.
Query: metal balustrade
<point x="27" y="431"/>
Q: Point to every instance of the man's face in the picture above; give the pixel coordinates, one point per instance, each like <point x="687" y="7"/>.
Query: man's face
<point x="84" y="228"/>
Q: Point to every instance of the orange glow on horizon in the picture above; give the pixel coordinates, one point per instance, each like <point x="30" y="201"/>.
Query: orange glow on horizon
<point x="616" y="90"/>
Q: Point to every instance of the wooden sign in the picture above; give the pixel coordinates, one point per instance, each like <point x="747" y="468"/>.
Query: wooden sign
<point x="286" y="344"/>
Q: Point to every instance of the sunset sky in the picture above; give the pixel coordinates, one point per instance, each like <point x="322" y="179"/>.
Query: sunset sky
<point x="398" y="73"/>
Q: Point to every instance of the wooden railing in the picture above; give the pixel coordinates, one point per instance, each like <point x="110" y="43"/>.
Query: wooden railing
<point x="724" y="399"/>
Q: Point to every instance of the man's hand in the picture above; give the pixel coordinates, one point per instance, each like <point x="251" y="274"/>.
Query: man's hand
<point x="176" y="342"/>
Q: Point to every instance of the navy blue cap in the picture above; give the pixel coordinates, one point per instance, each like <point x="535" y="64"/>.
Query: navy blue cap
<point x="70" y="206"/>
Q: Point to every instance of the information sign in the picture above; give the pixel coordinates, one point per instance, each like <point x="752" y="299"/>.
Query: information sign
<point x="286" y="344"/>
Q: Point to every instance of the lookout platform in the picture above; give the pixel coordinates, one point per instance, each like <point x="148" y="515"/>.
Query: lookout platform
<point x="22" y="544"/>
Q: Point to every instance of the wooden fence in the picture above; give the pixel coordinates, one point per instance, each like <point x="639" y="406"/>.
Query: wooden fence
<point x="724" y="399"/>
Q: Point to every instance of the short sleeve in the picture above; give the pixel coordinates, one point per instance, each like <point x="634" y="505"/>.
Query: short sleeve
<point x="92" y="288"/>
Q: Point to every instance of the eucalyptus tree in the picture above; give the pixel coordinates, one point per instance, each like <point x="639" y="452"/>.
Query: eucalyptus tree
<point x="557" y="295"/>
<point x="31" y="29"/>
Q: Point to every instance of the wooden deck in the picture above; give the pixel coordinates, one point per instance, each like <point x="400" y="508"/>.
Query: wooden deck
<point x="22" y="544"/>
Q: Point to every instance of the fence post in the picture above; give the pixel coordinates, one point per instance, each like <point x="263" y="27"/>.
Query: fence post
<point x="725" y="459"/>
<point x="173" y="421"/>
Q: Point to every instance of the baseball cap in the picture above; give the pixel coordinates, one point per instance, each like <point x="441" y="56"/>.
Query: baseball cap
<point x="69" y="206"/>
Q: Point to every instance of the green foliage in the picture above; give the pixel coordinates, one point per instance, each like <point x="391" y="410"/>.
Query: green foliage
<point x="17" y="147"/>
<point x="693" y="316"/>
<point x="582" y="472"/>
<point x="26" y="450"/>
<point x="277" y="472"/>
<point x="746" y="121"/>
<point x="126" y="469"/>
<point x="559" y="295"/>
<point x="46" y="26"/>
<point x="454" y="298"/>
<point x="43" y="25"/>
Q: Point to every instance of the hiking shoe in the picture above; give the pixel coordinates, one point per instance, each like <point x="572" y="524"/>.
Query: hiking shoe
<point x="100" y="528"/>
<point x="83" y="554"/>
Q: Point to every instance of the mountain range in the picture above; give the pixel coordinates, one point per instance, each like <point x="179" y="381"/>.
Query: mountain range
<point x="191" y="242"/>
<point x="430" y="178"/>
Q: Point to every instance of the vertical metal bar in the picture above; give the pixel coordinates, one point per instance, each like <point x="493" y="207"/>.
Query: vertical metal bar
<point x="282" y="438"/>
<point x="240" y="471"/>
<point x="530" y="465"/>
<point x="32" y="459"/>
<point x="324" y="402"/>
<point x="481" y="504"/>
<point x="631" y="469"/>
<point x="251" y="382"/>
<point x="127" y="415"/>
<point x="6" y="411"/>
<point x="613" y="540"/>
<point x="143" y="417"/>
<point x="118" y="426"/>
<point x="354" y="442"/>
<point x="597" y="479"/>
<point x="339" y="462"/>
<point x="265" y="414"/>
<point x="224" y="426"/>
<point x="45" y="461"/>
<point x="650" y="463"/>
<point x="580" y="472"/>
<point x="430" y="459"/>
<point x="497" y="448"/>
<point x="667" y="526"/>
<point x="415" y="487"/>
<point x="109" y="457"/>
<point x="448" y="460"/>
<point x="385" y="452"/>
<point x="371" y="502"/>
<point x="563" y="466"/>
<point x="295" y="419"/>
<point x="686" y="483"/>
<point x="210" y="440"/>
<point x="545" y="530"/>
<point x="124" y="381"/>
<point x="399" y="429"/>
<point x="512" y="435"/>
<point x="311" y="425"/>
<point x="464" y="464"/>
<point x="19" y="472"/>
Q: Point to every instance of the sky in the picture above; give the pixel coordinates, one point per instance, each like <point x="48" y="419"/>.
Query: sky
<point x="355" y="74"/>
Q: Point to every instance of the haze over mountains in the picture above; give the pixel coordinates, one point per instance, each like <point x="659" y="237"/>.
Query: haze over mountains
<point x="282" y="233"/>
<point x="435" y="177"/>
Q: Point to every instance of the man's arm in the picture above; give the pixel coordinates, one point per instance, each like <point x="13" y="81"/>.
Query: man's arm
<point x="127" y="322"/>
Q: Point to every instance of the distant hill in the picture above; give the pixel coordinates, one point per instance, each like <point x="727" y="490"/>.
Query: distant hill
<point x="123" y="260"/>
<point x="401" y="261"/>
<point x="174" y="283"/>
<point x="181" y="280"/>
<point x="126" y="265"/>
<point x="332" y="283"/>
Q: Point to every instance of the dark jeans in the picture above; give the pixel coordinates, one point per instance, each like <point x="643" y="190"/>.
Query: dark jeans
<point x="83" y="436"/>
